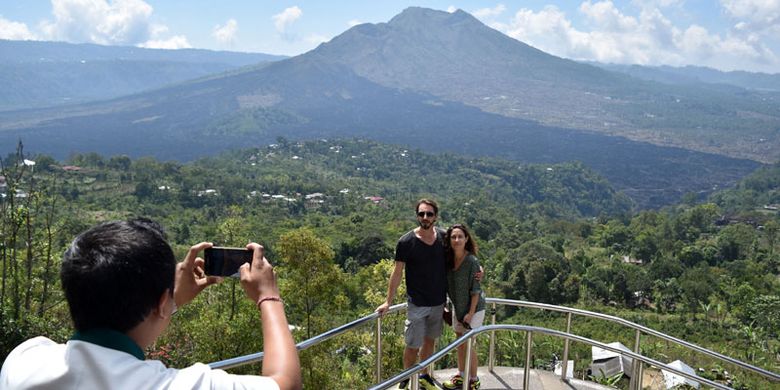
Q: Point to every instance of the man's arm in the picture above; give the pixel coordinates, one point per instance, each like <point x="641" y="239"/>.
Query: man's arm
<point x="392" y="288"/>
<point x="281" y="357"/>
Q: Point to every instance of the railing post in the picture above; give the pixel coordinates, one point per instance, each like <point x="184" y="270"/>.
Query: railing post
<point x="565" y="363"/>
<point x="378" y="349"/>
<point x="492" y="353"/>
<point x="415" y="382"/>
<point x="640" y="373"/>
<point x="636" y="376"/>
<point x="527" y="369"/>
<point x="466" y="373"/>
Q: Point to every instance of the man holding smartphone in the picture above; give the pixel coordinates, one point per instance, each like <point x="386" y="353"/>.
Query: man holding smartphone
<point x="122" y="284"/>
<point x="420" y="253"/>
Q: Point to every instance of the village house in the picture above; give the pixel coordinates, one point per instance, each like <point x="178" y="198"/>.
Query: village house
<point x="314" y="200"/>
<point x="631" y="260"/>
<point x="375" y="199"/>
<point x="208" y="192"/>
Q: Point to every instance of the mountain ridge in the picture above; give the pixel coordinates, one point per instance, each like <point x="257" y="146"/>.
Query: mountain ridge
<point x="38" y="74"/>
<point x="481" y="67"/>
<point x="321" y="95"/>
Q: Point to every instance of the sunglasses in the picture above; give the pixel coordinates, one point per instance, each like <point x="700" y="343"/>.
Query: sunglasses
<point x="428" y="214"/>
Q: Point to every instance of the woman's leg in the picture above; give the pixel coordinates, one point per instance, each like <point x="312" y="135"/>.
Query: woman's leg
<point x="473" y="366"/>
<point x="461" y="355"/>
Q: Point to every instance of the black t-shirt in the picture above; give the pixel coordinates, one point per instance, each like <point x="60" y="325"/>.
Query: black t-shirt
<point x="426" y="273"/>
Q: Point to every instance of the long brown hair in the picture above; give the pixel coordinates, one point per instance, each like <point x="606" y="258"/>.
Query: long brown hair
<point x="471" y="244"/>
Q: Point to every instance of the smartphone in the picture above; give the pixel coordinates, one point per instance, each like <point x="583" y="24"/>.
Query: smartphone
<point x="223" y="261"/>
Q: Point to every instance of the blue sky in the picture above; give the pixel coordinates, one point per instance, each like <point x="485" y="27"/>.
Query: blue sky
<point x="723" y="34"/>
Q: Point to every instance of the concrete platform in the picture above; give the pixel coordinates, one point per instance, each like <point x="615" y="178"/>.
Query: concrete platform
<point x="503" y="378"/>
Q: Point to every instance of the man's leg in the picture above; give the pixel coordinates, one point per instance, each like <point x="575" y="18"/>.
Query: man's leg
<point x="414" y="332"/>
<point x="433" y="327"/>
<point x="427" y="350"/>
<point x="410" y="356"/>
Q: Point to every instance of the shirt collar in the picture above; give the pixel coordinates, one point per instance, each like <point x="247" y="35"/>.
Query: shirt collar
<point x="111" y="339"/>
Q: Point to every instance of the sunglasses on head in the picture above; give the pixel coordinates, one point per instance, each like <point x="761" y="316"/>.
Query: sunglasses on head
<point x="428" y="214"/>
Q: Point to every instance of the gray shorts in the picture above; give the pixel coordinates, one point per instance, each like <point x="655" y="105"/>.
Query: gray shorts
<point x="421" y="322"/>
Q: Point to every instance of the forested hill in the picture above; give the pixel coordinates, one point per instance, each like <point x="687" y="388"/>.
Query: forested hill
<point x="759" y="192"/>
<point x="560" y="190"/>
<point x="328" y="211"/>
<point x="353" y="169"/>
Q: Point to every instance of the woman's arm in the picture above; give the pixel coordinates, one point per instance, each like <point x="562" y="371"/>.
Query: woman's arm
<point x="475" y="291"/>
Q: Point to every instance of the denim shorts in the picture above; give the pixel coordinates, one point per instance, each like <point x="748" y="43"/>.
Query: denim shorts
<point x="421" y="322"/>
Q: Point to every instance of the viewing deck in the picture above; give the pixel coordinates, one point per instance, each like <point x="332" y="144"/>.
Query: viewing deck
<point x="630" y="361"/>
<point x="506" y="378"/>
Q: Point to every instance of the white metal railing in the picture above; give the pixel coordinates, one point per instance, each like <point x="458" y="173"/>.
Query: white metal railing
<point x="567" y="336"/>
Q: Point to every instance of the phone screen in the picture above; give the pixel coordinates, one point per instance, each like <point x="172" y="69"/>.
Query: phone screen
<point x="221" y="261"/>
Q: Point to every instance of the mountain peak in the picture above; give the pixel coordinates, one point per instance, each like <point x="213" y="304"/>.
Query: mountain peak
<point x="419" y="40"/>
<point x="416" y="17"/>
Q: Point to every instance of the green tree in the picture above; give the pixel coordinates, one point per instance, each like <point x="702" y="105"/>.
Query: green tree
<point x="697" y="284"/>
<point x="541" y="274"/>
<point x="616" y="236"/>
<point x="764" y="312"/>
<point x="312" y="286"/>
<point x="736" y="241"/>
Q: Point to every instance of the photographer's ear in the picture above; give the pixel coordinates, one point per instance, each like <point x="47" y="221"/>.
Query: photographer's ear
<point x="166" y="305"/>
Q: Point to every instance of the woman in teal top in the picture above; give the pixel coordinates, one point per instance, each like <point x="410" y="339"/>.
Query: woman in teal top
<point x="466" y="296"/>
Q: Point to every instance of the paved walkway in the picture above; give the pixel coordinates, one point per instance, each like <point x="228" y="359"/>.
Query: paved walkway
<point x="503" y="378"/>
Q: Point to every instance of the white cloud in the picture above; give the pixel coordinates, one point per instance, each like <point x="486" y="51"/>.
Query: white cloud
<point x="487" y="13"/>
<point x="117" y="22"/>
<point x="452" y="9"/>
<point x="605" y="17"/>
<point x="763" y="13"/>
<point x="353" y="23"/>
<point x="226" y="33"/>
<point x="15" y="31"/>
<point x="756" y="22"/>
<point x="316" y="39"/>
<point x="649" y="38"/>
<point x="286" y="18"/>
<point x="174" y="42"/>
<point x="656" y="3"/>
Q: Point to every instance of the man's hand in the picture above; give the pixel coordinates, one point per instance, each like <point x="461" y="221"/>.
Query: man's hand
<point x="467" y="318"/>
<point x="190" y="279"/>
<point x="383" y="308"/>
<point x="258" y="280"/>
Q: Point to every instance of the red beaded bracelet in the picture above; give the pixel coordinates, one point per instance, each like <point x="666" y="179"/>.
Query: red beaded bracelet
<point x="274" y="299"/>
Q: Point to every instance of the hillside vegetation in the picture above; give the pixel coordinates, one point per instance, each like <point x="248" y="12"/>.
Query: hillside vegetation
<point x="554" y="233"/>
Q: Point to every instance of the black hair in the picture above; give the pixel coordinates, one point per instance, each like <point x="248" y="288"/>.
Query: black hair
<point x="114" y="274"/>
<point x="471" y="245"/>
<point x="429" y="202"/>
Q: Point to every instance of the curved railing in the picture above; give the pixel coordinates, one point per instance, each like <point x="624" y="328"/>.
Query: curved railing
<point x="256" y="357"/>
<point x="639" y="330"/>
<point x="530" y="330"/>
